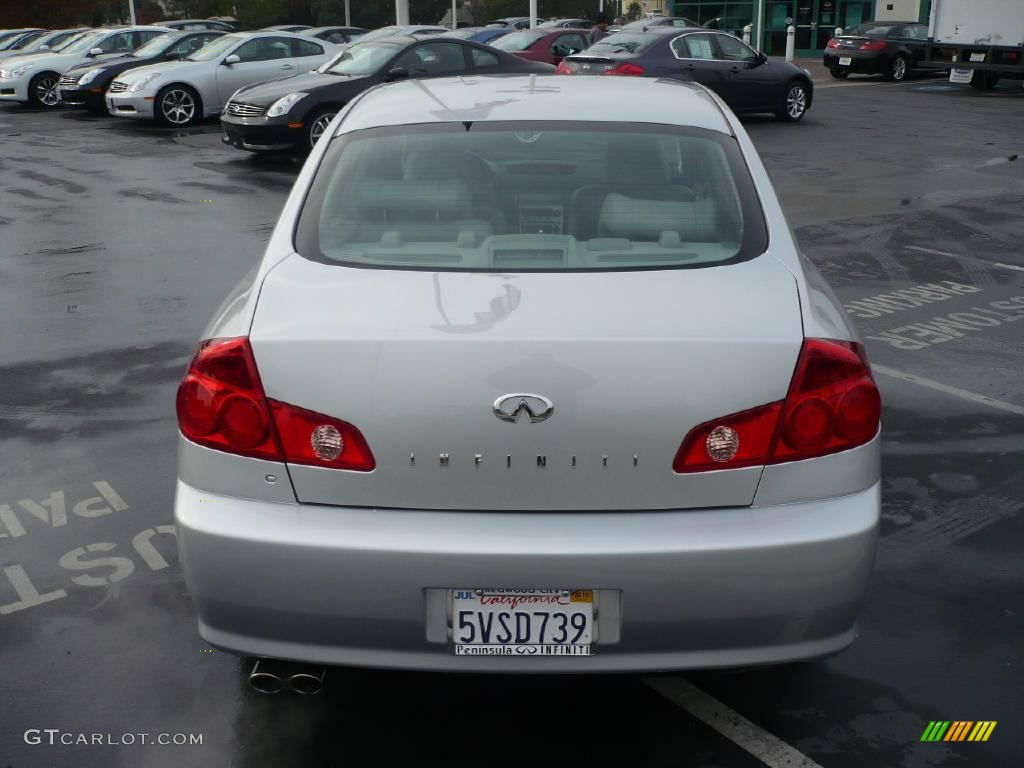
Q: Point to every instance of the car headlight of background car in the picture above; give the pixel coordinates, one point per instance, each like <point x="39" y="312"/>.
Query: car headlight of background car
<point x="11" y="74"/>
<point x="142" y="82"/>
<point x="89" y="76"/>
<point x="284" y="104"/>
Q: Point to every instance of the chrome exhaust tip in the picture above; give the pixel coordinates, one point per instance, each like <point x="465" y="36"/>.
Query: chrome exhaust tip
<point x="308" y="680"/>
<point x="265" y="678"/>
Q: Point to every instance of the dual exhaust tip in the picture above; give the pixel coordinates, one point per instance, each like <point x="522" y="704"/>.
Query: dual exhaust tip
<point x="271" y="676"/>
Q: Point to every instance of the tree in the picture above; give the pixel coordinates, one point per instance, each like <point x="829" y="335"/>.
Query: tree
<point x="634" y="11"/>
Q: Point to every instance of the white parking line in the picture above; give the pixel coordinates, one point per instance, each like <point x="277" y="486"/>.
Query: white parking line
<point x="769" y="749"/>
<point x="932" y="250"/>
<point x="938" y="386"/>
<point x="1008" y="266"/>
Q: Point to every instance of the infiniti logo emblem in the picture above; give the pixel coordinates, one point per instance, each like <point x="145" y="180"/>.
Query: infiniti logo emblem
<point x="537" y="407"/>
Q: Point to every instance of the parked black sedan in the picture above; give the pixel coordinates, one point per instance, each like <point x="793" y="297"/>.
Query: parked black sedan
<point x="890" y="48"/>
<point x="293" y="114"/>
<point x="85" y="84"/>
<point x="748" y="81"/>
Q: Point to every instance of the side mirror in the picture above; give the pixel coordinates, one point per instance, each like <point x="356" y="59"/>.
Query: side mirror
<point x="44" y="47"/>
<point x="96" y="52"/>
<point x="397" y="73"/>
<point x="759" y="61"/>
<point x="234" y="58"/>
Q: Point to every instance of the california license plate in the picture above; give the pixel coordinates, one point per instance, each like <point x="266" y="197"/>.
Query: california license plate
<point x="845" y="61"/>
<point x="523" y="622"/>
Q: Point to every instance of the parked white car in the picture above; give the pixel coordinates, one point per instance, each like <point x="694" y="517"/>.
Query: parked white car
<point x="32" y="79"/>
<point x="181" y="92"/>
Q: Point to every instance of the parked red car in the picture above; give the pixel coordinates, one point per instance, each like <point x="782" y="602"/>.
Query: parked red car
<point x="547" y="45"/>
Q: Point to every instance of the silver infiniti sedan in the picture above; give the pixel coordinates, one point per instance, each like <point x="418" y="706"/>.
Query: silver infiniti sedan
<point x="180" y="93"/>
<point x="526" y="384"/>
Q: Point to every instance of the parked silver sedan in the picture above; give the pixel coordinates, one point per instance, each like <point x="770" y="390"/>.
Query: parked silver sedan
<point x="527" y="389"/>
<point x="181" y="92"/>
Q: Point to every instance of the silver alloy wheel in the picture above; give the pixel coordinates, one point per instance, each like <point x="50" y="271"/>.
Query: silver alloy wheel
<point x="319" y="126"/>
<point x="46" y="92"/>
<point x="178" y="107"/>
<point x="899" y="68"/>
<point x="796" y="102"/>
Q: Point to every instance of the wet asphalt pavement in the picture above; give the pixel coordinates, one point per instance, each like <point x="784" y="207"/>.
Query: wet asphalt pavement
<point x="117" y="242"/>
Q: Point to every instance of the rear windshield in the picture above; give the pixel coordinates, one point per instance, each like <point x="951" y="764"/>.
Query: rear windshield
<point x="624" y="42"/>
<point x="873" y="30"/>
<point x="518" y="41"/>
<point x="533" y="196"/>
<point x="360" y="59"/>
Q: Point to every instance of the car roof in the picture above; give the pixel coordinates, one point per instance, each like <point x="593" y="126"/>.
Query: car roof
<point x="533" y="98"/>
<point x="341" y="27"/>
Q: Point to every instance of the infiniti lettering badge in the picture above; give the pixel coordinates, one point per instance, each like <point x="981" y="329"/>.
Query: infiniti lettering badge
<point x="537" y="407"/>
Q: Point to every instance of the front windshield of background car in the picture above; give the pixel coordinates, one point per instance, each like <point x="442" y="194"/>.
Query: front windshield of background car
<point x="873" y="30"/>
<point x="11" y="41"/>
<point x="624" y="42"/>
<point x="379" y="33"/>
<point x="517" y="41"/>
<point x="450" y="196"/>
<point x="216" y="48"/>
<point x="61" y="38"/>
<point x="360" y="59"/>
<point x="463" y="34"/>
<point x="154" y="47"/>
<point x="85" y="42"/>
<point x="63" y="43"/>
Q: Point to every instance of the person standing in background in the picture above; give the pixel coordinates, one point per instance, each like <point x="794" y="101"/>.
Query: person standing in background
<point x="600" y="30"/>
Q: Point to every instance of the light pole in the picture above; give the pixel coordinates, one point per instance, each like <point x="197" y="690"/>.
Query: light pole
<point x="348" y="14"/>
<point x="131" y="11"/>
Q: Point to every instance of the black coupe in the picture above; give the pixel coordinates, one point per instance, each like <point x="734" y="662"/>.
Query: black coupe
<point x="293" y="114"/>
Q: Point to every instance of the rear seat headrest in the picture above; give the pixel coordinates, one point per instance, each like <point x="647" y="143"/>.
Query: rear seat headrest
<point x="634" y="218"/>
<point x="446" y="196"/>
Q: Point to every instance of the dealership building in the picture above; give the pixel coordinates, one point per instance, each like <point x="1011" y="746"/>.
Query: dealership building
<point x="815" y="20"/>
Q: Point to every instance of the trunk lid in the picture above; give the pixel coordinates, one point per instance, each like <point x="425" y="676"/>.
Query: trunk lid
<point x="630" y="360"/>
<point x="583" y="64"/>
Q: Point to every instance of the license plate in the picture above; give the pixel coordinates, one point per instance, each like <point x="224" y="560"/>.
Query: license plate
<point x="977" y="57"/>
<point x="845" y="61"/>
<point x="523" y="622"/>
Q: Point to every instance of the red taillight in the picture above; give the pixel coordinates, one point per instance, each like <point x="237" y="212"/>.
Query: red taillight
<point x="626" y="68"/>
<point x="874" y="45"/>
<point x="752" y="433"/>
<point x="563" y="68"/>
<point x="833" y="43"/>
<point x="322" y="441"/>
<point x="833" y="405"/>
<point x="221" y="405"/>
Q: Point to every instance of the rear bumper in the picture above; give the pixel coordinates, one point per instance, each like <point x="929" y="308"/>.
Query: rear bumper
<point x="861" y="62"/>
<point x="677" y="590"/>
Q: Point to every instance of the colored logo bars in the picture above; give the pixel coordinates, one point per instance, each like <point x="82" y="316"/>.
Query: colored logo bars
<point x="958" y="730"/>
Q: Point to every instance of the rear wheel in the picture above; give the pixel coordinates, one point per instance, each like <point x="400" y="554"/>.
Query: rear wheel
<point x="42" y="90"/>
<point x="839" y="74"/>
<point x="794" y="103"/>
<point x="316" y="126"/>
<point x="177" y="105"/>
<point x="899" y="68"/>
<point x="984" y="81"/>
